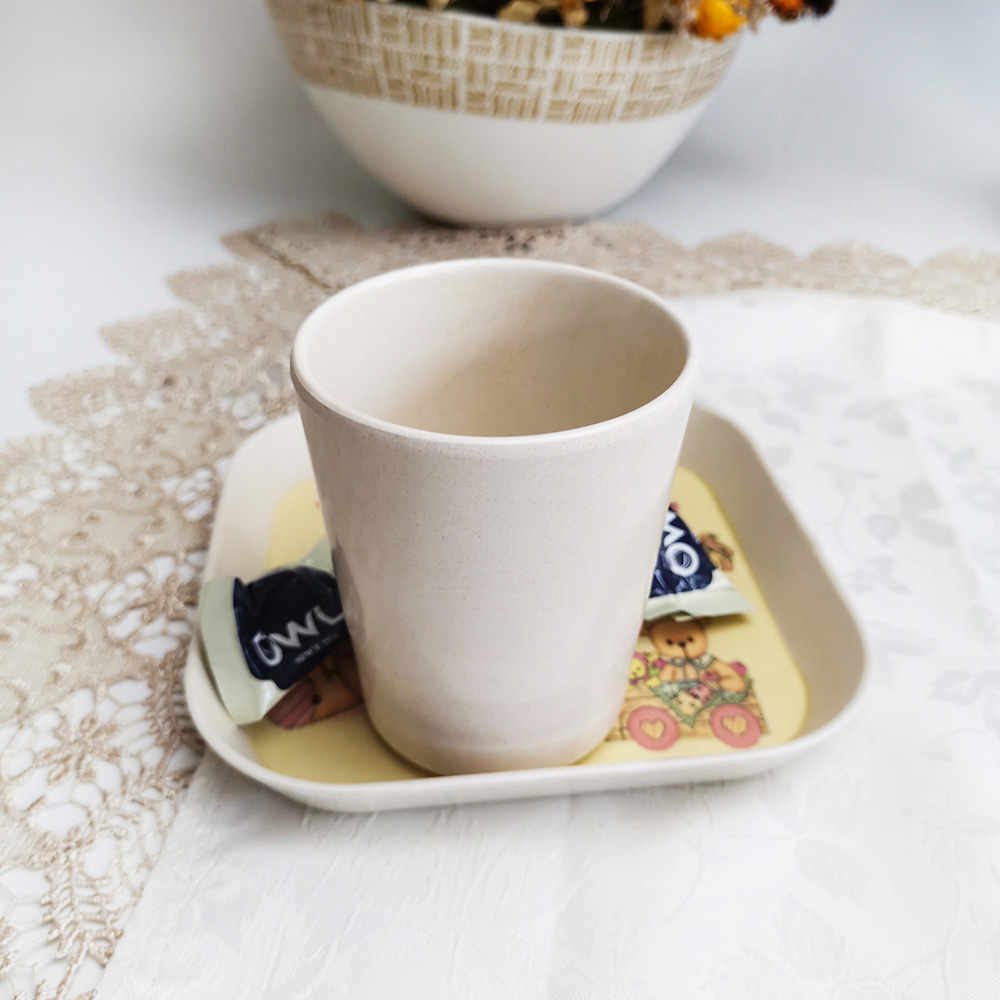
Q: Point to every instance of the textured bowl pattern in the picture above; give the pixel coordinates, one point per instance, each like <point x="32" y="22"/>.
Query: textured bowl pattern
<point x="482" y="66"/>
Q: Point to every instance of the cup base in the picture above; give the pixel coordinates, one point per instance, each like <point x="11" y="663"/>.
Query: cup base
<point x="443" y="759"/>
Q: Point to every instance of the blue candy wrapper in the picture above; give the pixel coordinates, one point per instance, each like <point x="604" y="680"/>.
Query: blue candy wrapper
<point x="262" y="637"/>
<point x="686" y="583"/>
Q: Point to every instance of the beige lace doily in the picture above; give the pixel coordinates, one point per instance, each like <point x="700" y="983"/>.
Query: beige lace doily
<point x="104" y="524"/>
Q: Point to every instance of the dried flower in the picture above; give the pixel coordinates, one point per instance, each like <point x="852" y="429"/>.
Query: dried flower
<point x="790" y="10"/>
<point x="521" y="11"/>
<point x="709" y="19"/>
<point x="716" y="19"/>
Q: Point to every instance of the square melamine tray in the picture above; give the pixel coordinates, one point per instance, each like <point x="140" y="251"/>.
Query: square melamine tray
<point x="811" y="614"/>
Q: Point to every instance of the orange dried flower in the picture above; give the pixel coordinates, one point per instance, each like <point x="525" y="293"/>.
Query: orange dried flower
<point x="716" y="19"/>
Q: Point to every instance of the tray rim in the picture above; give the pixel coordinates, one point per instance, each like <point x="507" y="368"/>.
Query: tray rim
<point x="434" y="790"/>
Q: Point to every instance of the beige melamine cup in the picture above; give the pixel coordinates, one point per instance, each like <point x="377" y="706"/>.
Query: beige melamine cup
<point x="494" y="443"/>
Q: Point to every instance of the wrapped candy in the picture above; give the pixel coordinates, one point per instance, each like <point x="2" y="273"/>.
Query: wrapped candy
<point x="279" y="645"/>
<point x="686" y="583"/>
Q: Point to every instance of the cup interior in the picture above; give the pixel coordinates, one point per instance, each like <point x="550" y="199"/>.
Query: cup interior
<point x="490" y="348"/>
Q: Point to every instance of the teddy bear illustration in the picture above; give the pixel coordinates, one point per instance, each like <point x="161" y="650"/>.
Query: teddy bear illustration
<point x="678" y="688"/>
<point x="690" y="701"/>
<point x="331" y="687"/>
<point x="682" y="648"/>
<point x="639" y="669"/>
<point x="717" y="550"/>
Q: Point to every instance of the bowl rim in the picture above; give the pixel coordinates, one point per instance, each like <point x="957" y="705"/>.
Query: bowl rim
<point x="665" y="38"/>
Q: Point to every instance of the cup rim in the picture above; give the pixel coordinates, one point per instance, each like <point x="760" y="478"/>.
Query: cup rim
<point x="680" y="392"/>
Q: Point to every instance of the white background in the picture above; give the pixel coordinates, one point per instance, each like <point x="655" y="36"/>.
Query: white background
<point x="132" y="135"/>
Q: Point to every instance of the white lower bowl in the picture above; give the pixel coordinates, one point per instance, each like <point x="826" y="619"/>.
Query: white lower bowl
<point x="474" y="170"/>
<point x="479" y="121"/>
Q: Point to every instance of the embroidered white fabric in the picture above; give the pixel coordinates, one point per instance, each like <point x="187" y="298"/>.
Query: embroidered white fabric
<point x="869" y="869"/>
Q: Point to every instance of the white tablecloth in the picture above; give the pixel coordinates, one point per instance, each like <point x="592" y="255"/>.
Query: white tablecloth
<point x="870" y="868"/>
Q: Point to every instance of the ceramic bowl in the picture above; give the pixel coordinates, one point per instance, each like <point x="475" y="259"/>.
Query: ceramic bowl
<point x="485" y="122"/>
